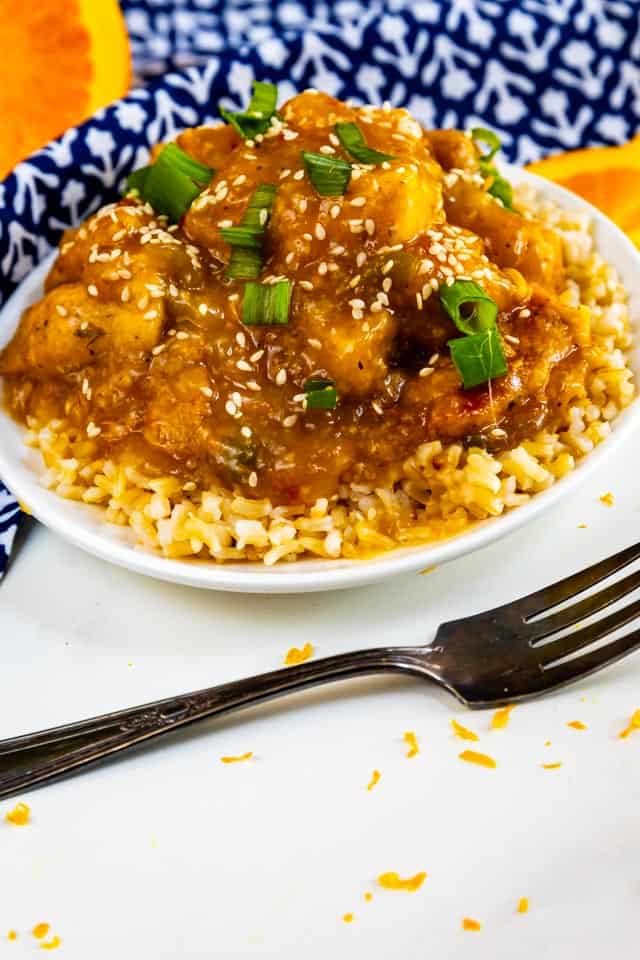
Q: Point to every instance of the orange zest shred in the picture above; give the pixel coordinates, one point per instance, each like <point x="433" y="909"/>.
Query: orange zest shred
<point x="463" y="732"/>
<point x="634" y="724"/>
<point x="51" y="944"/>
<point x="482" y="759"/>
<point x="412" y="742"/>
<point x="40" y="930"/>
<point x="547" y="743"/>
<point x="375" y="777"/>
<point x="552" y="766"/>
<point x="469" y="924"/>
<point x="577" y="725"/>
<point x="368" y="896"/>
<point x="608" y="499"/>
<point x="12" y="935"/>
<point x="20" y="815"/>
<point x="392" y="881"/>
<point x="582" y="526"/>
<point x="427" y="571"/>
<point x="523" y="905"/>
<point x="243" y="756"/>
<point x="501" y="717"/>
<point x="348" y="918"/>
<point x="296" y="656"/>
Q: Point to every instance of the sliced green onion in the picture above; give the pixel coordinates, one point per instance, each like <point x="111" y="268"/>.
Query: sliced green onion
<point x="478" y="358"/>
<point x="488" y="137"/>
<point x="257" y="117"/>
<point x="172" y="183"/>
<point x="352" y="139"/>
<point x="321" y="394"/>
<point x="502" y="190"/>
<point x="246" y="240"/>
<point x="266" y="304"/>
<point x="329" y="176"/>
<point x="471" y="309"/>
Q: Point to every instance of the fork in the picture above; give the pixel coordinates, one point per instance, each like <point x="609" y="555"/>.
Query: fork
<point x="508" y="654"/>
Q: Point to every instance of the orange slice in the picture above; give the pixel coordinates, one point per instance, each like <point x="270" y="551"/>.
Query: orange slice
<point x="608" y="177"/>
<point x="60" y="63"/>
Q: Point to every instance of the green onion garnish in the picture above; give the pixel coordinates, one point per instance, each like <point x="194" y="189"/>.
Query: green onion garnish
<point x="266" y="304"/>
<point x="500" y="188"/>
<point x="478" y="358"/>
<point x="246" y="239"/>
<point x="321" y="394"/>
<point x="172" y="183"/>
<point x="329" y="176"/>
<point x="470" y="308"/>
<point x="352" y="139"/>
<point x="257" y="117"/>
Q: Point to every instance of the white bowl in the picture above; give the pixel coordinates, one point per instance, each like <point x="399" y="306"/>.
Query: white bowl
<point x="83" y="525"/>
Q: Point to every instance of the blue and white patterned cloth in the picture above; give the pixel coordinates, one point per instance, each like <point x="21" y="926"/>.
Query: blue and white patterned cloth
<point x="548" y="75"/>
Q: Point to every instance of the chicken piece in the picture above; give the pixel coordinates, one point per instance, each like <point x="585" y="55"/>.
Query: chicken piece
<point x="353" y="352"/>
<point x="69" y="329"/>
<point x="511" y="240"/>
<point x="453" y="149"/>
<point x="210" y="145"/>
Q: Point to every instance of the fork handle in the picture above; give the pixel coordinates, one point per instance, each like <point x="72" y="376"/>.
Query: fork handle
<point x="37" y="757"/>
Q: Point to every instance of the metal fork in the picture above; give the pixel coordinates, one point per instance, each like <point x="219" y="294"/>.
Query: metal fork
<point x="508" y="654"/>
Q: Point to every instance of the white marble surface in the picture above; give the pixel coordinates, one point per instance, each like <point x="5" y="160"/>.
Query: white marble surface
<point x="170" y="853"/>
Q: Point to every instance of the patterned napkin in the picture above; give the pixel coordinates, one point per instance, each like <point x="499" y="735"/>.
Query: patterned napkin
<point x="549" y="75"/>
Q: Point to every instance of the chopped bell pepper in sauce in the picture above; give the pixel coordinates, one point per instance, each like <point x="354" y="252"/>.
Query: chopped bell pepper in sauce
<point x="392" y="881"/>
<point x="412" y="742"/>
<point x="482" y="759"/>
<point x="20" y="815"/>
<point x="295" y="655"/>
<point x="239" y="759"/>
<point x="463" y="732"/>
<point x="501" y="717"/>
<point x="139" y="342"/>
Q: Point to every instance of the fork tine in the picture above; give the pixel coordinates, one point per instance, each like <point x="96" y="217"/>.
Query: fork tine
<point x="591" y="662"/>
<point x="556" y="649"/>
<point x="557" y="593"/>
<point x="584" y="608"/>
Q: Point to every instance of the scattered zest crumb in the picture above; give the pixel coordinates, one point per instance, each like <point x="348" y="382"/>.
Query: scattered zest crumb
<point x="12" y="935"/>
<point x="412" y="742"/>
<point x="463" y="732"/>
<point x="348" y="918"/>
<point x="469" y="924"/>
<point x="243" y="756"/>
<point x="51" y="944"/>
<point x="634" y="724"/>
<point x="20" y="815"/>
<point x="523" y="905"/>
<point x="480" y="758"/>
<point x="577" y="725"/>
<point x="582" y="526"/>
<point x="392" y="881"/>
<point x="547" y="743"/>
<point x="375" y="777"/>
<point x="608" y="499"/>
<point x="295" y="656"/>
<point x="40" y="930"/>
<point x="427" y="571"/>
<point x="551" y="766"/>
<point x="501" y="717"/>
<point x="368" y="896"/>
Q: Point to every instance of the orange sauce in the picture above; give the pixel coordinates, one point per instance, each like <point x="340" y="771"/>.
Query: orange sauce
<point x="392" y="881"/>
<point x="12" y="935"/>
<point x="368" y="896"/>
<point x="608" y="499"/>
<point x="482" y="759"/>
<point x="51" y="944"/>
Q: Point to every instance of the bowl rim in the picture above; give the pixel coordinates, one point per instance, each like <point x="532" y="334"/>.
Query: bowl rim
<point x="308" y="575"/>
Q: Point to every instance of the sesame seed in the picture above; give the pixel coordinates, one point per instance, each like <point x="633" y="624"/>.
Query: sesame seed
<point x="419" y="300"/>
<point x="335" y="211"/>
<point x="378" y="409"/>
<point x="357" y="304"/>
<point x="305" y="284"/>
<point x="354" y="281"/>
<point x="173" y="290"/>
<point x="230" y="407"/>
<point x="320" y="232"/>
<point x="355" y="227"/>
<point x="239" y="180"/>
<point x="182" y="335"/>
<point x="206" y="391"/>
<point x="151" y="315"/>
<point x="237" y="398"/>
<point x="245" y="431"/>
<point x="360" y="259"/>
<point x="233" y="297"/>
<point x="281" y="377"/>
<point x="92" y="290"/>
<point x="302" y="204"/>
<point x="203" y="309"/>
<point x="326" y="149"/>
<point x="511" y="338"/>
<point x="252" y="385"/>
<point x="388" y="266"/>
<point x="434" y="359"/>
<point x="253" y="479"/>
<point x="358" y="201"/>
<point x="357" y="314"/>
<point x="370" y="226"/>
<point x="385" y="165"/>
<point x="240" y="339"/>
<point x="143" y="302"/>
<point x="93" y="430"/>
<point x="386" y="284"/>
<point x="62" y="311"/>
<point x="426" y="371"/>
<point x="285" y="173"/>
<point x="243" y="365"/>
<point x="225" y="223"/>
<point x="322" y="268"/>
<point x="290" y="421"/>
<point x="376" y="307"/>
<point x="334" y="140"/>
<point x="258" y="355"/>
<point x="289" y="257"/>
<point x="125" y="293"/>
<point x="298" y="175"/>
<point x="157" y="350"/>
<point x="316" y="344"/>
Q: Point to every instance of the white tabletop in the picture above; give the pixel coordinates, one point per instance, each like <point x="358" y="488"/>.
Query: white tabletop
<point x="171" y="853"/>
